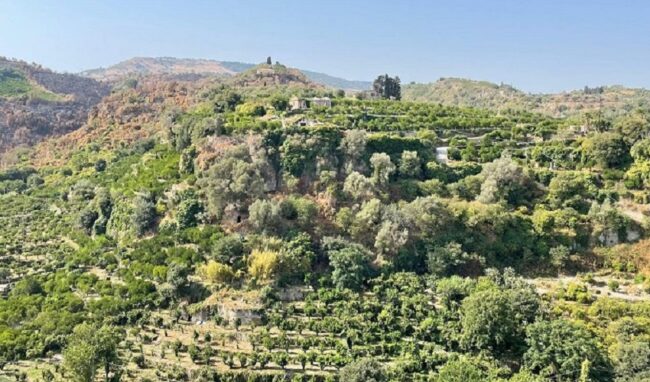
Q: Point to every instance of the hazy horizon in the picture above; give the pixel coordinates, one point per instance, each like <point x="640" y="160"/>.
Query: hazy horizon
<point x="540" y="46"/>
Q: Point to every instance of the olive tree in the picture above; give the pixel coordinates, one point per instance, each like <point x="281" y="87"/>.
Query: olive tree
<point x="364" y="370"/>
<point x="505" y="180"/>
<point x="358" y="186"/>
<point x="353" y="147"/>
<point x="409" y="165"/>
<point x="144" y="213"/>
<point x="382" y="168"/>
<point x="232" y="181"/>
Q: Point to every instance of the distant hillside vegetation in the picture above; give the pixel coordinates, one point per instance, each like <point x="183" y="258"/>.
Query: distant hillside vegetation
<point x="170" y="65"/>
<point x="36" y="102"/>
<point x="14" y="84"/>
<point x="463" y="92"/>
<point x="157" y="65"/>
<point x="611" y="100"/>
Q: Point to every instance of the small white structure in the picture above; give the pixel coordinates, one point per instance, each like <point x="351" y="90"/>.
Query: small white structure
<point x="322" y="102"/>
<point x="296" y="103"/>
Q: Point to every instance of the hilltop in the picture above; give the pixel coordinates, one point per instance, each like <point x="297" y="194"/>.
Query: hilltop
<point x="36" y="102"/>
<point x="611" y="100"/>
<point x="171" y="65"/>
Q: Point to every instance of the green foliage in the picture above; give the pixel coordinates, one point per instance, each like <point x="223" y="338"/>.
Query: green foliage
<point x="387" y="87"/>
<point x="234" y="181"/>
<point x="264" y="215"/>
<point x="144" y="213"/>
<point x="90" y="348"/>
<point x="187" y="212"/>
<point x="495" y="319"/>
<point x="572" y="190"/>
<point x="350" y="263"/>
<point x="229" y="249"/>
<point x="633" y="361"/>
<point x="461" y="370"/>
<point x="504" y="180"/>
<point x="13" y="84"/>
<point x="607" y="150"/>
<point x="441" y="261"/>
<point x="556" y="349"/>
<point x="382" y="168"/>
<point x="296" y="258"/>
<point x="410" y="165"/>
<point x="364" y="370"/>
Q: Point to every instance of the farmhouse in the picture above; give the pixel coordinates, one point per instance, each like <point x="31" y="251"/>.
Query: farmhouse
<point x="297" y="103"/>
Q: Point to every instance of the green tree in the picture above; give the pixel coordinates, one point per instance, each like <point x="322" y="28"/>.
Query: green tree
<point x="106" y="341"/>
<point x="89" y="348"/>
<point x="232" y="181"/>
<point x="382" y="168"/>
<point x="559" y="256"/>
<point x="187" y="211"/>
<point x="409" y="165"/>
<point x="633" y="127"/>
<point x="100" y="165"/>
<point x="350" y="263"/>
<point x="388" y="87"/>
<point x="607" y="150"/>
<point x="461" y="370"/>
<point x="264" y="216"/>
<point x="358" y="186"/>
<point x="572" y="189"/>
<point x="495" y="319"/>
<point x="443" y="259"/>
<point x="353" y="147"/>
<point x="144" y="213"/>
<point x="505" y="180"/>
<point x="86" y="219"/>
<point x="364" y="370"/>
<point x="229" y="249"/>
<point x="633" y="361"/>
<point x="557" y="349"/>
<point x="296" y="258"/>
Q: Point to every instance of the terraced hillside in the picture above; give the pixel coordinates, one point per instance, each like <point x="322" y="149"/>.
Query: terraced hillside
<point x="263" y="228"/>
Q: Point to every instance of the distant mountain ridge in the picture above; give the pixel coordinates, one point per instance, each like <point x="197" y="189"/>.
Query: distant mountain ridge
<point x="170" y="65"/>
<point x="158" y="65"/>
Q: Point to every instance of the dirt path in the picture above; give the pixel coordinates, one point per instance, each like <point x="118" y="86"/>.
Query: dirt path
<point x="598" y="288"/>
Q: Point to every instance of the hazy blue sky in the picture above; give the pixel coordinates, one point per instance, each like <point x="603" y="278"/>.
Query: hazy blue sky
<point x="536" y="45"/>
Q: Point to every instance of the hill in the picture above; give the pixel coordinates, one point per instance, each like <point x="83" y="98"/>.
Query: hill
<point x="464" y="92"/>
<point x="211" y="228"/>
<point x="170" y="65"/>
<point x="155" y="66"/>
<point x="36" y="102"/>
<point x="611" y="100"/>
<point x="206" y="230"/>
<point x="265" y="75"/>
